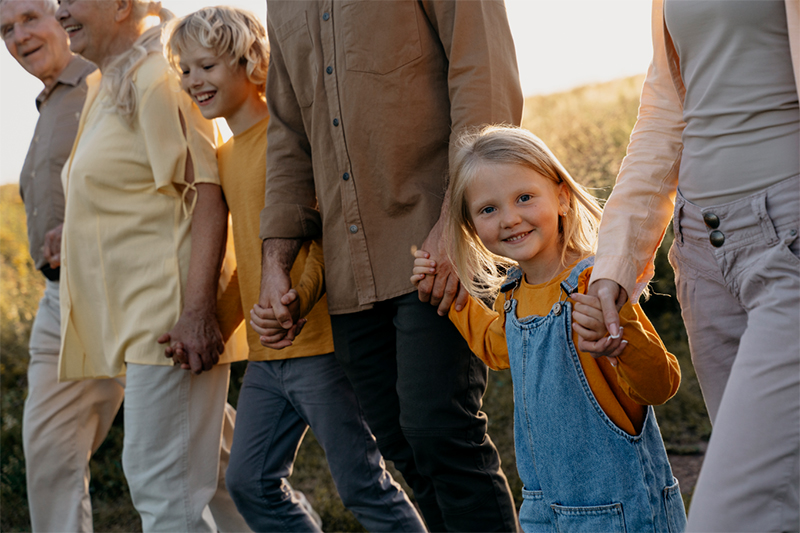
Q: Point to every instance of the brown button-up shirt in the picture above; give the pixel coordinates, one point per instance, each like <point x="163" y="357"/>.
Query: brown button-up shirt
<point x="40" y="181"/>
<point x="365" y="97"/>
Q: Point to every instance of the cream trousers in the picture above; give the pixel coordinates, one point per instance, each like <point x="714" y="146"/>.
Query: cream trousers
<point x="178" y="431"/>
<point x="62" y="425"/>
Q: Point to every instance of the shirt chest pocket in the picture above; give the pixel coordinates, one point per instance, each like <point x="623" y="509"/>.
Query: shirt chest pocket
<point x="298" y="49"/>
<point x="379" y="36"/>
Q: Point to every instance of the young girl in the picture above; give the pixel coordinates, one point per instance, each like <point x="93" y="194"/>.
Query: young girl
<point x="589" y="451"/>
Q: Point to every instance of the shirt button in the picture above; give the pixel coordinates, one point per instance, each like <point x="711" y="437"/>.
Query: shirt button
<point x="326" y="16"/>
<point x="36" y="139"/>
<point x="35" y="211"/>
<point x="336" y="122"/>
<point x="329" y="70"/>
<point x="346" y="176"/>
<point x="353" y="229"/>
<point x="33" y="173"/>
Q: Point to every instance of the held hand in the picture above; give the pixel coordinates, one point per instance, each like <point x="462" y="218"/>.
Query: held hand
<point x="274" y="286"/>
<point x="442" y="288"/>
<point x="195" y="342"/>
<point x="270" y="330"/>
<point x="52" y="246"/>
<point x="611" y="298"/>
<point x="422" y="267"/>
<point x="587" y="321"/>
<point x="176" y="352"/>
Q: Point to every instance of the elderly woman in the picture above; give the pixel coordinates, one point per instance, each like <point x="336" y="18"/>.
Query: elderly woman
<point x="717" y="143"/>
<point x="143" y="239"/>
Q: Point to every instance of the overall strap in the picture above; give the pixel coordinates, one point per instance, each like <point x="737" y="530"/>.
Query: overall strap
<point x="513" y="277"/>
<point x="570" y="284"/>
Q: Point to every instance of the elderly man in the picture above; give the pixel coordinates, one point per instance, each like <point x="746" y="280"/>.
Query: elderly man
<point x="64" y="423"/>
<point x="364" y="99"/>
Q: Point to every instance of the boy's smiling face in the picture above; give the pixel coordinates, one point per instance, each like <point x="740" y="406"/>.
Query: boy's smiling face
<point x="219" y="88"/>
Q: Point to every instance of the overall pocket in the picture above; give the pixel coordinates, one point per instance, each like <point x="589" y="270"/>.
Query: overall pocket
<point x="534" y="514"/>
<point x="673" y="505"/>
<point x="606" y="518"/>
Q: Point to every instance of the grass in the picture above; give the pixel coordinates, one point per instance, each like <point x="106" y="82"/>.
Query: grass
<point x="587" y="128"/>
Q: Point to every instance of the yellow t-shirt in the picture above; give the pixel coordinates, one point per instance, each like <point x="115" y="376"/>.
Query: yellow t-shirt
<point x="127" y="231"/>
<point x="647" y="374"/>
<point x="242" y="170"/>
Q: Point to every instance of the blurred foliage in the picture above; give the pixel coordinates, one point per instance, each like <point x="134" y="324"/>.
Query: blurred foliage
<point x="587" y="128"/>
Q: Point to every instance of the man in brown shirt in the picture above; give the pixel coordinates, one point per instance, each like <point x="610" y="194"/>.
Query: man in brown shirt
<point x="364" y="98"/>
<point x="63" y="423"/>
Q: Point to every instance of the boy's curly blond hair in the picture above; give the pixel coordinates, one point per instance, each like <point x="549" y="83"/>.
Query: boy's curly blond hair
<point x="226" y="30"/>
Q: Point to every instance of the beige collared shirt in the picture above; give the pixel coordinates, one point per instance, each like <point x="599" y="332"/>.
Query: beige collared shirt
<point x="40" y="180"/>
<point x="365" y="97"/>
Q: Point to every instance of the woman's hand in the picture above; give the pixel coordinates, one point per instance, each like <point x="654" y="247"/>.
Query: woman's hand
<point x="195" y="342"/>
<point x="588" y="323"/>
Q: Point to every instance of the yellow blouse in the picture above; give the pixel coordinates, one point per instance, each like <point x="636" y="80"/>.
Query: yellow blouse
<point x="242" y="170"/>
<point x="647" y="374"/>
<point x="126" y="240"/>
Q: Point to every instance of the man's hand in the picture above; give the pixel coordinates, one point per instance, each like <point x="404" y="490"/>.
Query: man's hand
<point x="195" y="342"/>
<point x="277" y="258"/>
<point x="271" y="333"/>
<point x="610" y="297"/>
<point x="52" y="246"/>
<point x="442" y="288"/>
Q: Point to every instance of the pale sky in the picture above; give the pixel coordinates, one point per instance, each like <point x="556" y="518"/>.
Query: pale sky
<point x="560" y="44"/>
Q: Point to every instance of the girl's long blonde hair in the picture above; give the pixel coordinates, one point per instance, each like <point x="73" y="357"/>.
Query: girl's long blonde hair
<point x="481" y="271"/>
<point x="226" y="30"/>
<point x="118" y="76"/>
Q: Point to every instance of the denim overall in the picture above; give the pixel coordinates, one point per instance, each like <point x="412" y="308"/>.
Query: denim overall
<point x="580" y="471"/>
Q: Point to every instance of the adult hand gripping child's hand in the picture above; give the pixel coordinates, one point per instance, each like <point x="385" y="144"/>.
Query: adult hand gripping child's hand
<point x="271" y="333"/>
<point x="588" y="323"/>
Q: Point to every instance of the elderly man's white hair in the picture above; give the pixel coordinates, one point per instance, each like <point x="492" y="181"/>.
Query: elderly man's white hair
<point x="50" y="6"/>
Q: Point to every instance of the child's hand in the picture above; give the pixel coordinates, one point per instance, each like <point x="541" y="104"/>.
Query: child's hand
<point x="271" y="333"/>
<point x="587" y="321"/>
<point x="422" y="267"/>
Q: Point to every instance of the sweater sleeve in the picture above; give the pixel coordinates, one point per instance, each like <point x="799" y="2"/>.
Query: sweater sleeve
<point x="646" y="372"/>
<point x="484" y="331"/>
<point x="311" y="286"/>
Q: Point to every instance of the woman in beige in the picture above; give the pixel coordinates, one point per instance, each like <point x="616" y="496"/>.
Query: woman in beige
<point x="143" y="239"/>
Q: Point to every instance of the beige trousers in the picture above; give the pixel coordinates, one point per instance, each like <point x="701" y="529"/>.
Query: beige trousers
<point x="741" y="305"/>
<point x="178" y="430"/>
<point x="62" y="425"/>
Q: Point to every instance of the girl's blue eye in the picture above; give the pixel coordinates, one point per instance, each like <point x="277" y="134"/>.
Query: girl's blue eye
<point x="525" y="197"/>
<point x="487" y="210"/>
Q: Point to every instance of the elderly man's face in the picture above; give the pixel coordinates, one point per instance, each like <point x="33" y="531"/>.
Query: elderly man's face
<point x="90" y="26"/>
<point x="34" y="37"/>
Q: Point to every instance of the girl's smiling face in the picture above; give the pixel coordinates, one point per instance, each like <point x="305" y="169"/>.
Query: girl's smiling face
<point x="515" y="211"/>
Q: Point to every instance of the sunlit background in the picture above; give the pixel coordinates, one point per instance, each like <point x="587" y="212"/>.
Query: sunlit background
<point x="560" y="44"/>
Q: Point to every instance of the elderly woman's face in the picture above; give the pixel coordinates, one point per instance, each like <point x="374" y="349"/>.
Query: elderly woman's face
<point x="90" y="26"/>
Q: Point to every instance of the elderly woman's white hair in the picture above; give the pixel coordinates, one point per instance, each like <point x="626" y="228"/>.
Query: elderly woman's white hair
<point x="118" y="77"/>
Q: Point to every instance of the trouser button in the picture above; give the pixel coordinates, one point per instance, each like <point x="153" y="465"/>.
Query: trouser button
<point x="717" y="238"/>
<point x="711" y="220"/>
